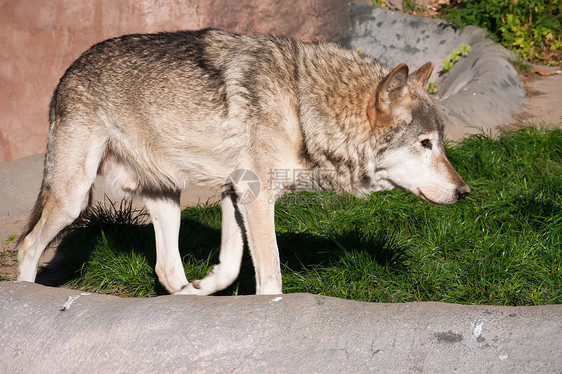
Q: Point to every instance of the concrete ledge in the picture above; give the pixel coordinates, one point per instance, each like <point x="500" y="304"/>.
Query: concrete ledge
<point x="55" y="330"/>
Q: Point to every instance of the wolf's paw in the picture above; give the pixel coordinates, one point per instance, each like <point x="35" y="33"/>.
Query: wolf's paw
<point x="193" y="288"/>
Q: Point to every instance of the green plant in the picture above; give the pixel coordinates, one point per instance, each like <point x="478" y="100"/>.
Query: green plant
<point x="432" y="88"/>
<point x="410" y="6"/>
<point x="461" y="51"/>
<point x="530" y="28"/>
<point x="10" y="239"/>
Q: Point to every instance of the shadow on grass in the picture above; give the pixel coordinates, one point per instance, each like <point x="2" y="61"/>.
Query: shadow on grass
<point x="300" y="252"/>
<point x="78" y="252"/>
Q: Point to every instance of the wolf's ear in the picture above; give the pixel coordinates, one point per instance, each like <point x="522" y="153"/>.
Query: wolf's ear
<point x="392" y="86"/>
<point x="421" y="76"/>
<point x="395" y="82"/>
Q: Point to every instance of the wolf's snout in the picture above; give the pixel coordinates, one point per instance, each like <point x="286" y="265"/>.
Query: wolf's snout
<point x="462" y="191"/>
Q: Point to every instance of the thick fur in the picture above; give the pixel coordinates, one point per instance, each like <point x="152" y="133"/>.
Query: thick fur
<point x="157" y="112"/>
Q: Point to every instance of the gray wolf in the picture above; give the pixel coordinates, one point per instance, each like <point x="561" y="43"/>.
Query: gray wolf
<point x="155" y="112"/>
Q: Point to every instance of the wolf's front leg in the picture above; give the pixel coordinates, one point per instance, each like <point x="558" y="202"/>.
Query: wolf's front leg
<point x="260" y="230"/>
<point x="230" y="258"/>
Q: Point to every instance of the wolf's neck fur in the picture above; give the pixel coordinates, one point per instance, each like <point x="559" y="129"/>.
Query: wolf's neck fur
<point x="338" y="143"/>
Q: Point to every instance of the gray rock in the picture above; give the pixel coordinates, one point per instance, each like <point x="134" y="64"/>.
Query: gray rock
<point x="55" y="330"/>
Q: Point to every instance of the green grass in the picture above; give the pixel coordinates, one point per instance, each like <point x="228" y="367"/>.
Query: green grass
<point x="501" y="245"/>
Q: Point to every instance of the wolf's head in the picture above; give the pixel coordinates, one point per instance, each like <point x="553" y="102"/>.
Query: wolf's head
<point x="410" y="136"/>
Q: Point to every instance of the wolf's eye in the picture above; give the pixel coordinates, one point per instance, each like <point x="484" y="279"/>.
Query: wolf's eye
<point x="426" y="143"/>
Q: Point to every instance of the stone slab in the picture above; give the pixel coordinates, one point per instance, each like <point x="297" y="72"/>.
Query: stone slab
<point x="55" y="330"/>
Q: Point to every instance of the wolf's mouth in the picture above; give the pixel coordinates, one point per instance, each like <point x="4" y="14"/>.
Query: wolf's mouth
<point x="419" y="193"/>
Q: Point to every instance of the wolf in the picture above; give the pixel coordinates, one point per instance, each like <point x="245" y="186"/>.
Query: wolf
<point x="156" y="112"/>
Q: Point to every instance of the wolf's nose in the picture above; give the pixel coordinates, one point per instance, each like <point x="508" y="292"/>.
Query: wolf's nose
<point x="463" y="191"/>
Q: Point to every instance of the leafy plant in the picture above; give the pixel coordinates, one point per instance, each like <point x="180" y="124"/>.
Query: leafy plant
<point x="530" y="28"/>
<point x="11" y="238"/>
<point x="431" y="88"/>
<point x="462" y="51"/>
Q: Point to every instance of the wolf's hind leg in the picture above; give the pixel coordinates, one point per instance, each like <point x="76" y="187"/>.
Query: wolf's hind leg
<point x="230" y="258"/>
<point x="64" y="194"/>
<point x="56" y="212"/>
<point x="165" y="212"/>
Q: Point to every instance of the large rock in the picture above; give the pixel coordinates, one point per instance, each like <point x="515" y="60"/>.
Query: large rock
<point x="54" y="330"/>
